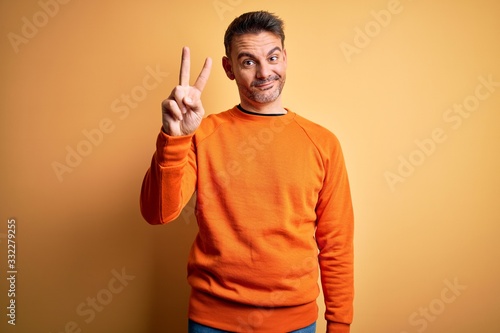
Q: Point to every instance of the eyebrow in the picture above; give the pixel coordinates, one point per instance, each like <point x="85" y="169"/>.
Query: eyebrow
<point x="246" y="54"/>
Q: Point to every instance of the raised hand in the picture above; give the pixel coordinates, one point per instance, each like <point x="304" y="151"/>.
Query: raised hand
<point x="182" y="111"/>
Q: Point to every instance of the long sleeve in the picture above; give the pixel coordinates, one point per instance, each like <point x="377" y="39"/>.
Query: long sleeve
<point x="170" y="181"/>
<point x="334" y="236"/>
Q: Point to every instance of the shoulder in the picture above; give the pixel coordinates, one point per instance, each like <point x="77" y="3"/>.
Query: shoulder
<point x="211" y="123"/>
<point x="318" y="134"/>
<point x="324" y="140"/>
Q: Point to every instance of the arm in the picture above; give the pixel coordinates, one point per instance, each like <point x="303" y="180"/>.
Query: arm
<point x="171" y="179"/>
<point x="334" y="235"/>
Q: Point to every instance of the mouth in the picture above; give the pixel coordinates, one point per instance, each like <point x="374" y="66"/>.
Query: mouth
<point x="265" y="86"/>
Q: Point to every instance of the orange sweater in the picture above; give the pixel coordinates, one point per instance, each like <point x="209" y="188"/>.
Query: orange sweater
<point x="273" y="207"/>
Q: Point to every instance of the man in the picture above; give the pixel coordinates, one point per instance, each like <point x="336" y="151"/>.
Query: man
<point x="273" y="201"/>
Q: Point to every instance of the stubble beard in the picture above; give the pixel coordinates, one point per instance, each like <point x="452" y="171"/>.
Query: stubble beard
<point x="265" y="96"/>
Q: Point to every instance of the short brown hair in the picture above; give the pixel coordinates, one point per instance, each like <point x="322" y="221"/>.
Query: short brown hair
<point x="254" y="23"/>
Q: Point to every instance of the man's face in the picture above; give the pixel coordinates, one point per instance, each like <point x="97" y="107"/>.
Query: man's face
<point x="258" y="64"/>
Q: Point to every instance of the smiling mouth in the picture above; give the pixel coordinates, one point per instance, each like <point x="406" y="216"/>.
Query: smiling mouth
<point x="265" y="86"/>
<point x="266" y="83"/>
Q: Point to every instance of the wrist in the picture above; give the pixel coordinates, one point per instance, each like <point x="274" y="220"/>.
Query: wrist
<point x="334" y="327"/>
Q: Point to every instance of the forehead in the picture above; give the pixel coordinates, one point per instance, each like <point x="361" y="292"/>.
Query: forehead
<point x="256" y="44"/>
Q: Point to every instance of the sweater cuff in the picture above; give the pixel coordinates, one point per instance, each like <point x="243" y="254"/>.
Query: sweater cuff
<point x="172" y="150"/>
<point x="333" y="327"/>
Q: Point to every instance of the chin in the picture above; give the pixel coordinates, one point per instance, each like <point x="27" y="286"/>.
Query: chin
<point x="266" y="97"/>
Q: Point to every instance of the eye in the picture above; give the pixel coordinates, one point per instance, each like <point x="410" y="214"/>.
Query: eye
<point x="274" y="58"/>
<point x="248" y="63"/>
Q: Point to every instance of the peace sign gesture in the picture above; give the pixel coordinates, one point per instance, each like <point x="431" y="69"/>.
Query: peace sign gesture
<point x="182" y="111"/>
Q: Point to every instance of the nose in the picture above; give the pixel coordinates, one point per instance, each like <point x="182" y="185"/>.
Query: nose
<point x="263" y="71"/>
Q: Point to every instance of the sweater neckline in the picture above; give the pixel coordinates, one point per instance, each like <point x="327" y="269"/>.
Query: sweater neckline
<point x="260" y="114"/>
<point x="241" y="113"/>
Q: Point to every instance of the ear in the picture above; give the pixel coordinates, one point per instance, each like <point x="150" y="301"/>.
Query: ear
<point x="228" y="67"/>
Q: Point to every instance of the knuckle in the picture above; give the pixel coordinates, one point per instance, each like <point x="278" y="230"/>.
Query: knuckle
<point x="179" y="94"/>
<point x="166" y="104"/>
<point x="169" y="106"/>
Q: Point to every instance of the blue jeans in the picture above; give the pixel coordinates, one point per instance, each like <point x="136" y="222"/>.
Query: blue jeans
<point x="194" y="327"/>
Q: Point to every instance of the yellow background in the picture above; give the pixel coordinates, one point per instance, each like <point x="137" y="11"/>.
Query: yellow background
<point x="437" y="225"/>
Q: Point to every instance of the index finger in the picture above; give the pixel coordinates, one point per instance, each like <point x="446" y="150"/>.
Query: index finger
<point x="185" y="67"/>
